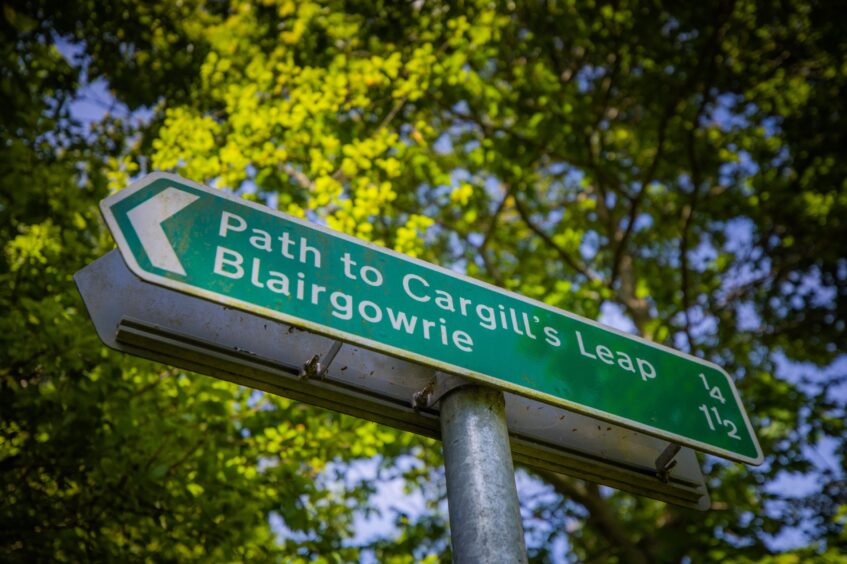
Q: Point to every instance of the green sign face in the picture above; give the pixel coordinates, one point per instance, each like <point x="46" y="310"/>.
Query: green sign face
<point x="210" y="244"/>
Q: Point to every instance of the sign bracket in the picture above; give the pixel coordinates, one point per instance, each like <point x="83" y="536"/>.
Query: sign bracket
<point x="436" y="389"/>
<point x="314" y="368"/>
<point x="666" y="461"/>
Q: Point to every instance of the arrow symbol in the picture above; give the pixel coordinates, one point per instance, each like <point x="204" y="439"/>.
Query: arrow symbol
<point x="146" y="218"/>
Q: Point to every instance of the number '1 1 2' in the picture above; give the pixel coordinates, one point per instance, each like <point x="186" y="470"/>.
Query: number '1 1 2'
<point x="732" y="433"/>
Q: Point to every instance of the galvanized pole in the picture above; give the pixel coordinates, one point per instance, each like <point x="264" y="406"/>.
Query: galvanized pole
<point x="485" y="519"/>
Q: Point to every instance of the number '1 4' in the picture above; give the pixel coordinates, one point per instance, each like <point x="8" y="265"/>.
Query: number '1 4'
<point x="714" y="392"/>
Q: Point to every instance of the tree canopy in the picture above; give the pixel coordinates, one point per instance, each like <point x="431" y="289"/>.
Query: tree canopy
<point x="678" y="166"/>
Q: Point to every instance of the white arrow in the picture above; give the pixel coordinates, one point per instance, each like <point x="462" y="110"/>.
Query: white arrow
<point x="146" y="218"/>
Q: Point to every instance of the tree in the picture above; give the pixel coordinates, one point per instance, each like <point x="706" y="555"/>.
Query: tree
<point x="104" y="457"/>
<point x="678" y="165"/>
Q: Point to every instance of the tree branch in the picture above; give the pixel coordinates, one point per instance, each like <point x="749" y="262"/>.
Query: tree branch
<point x="492" y="269"/>
<point x="599" y="514"/>
<point x="563" y="254"/>
<point x="709" y="53"/>
<point x="299" y="176"/>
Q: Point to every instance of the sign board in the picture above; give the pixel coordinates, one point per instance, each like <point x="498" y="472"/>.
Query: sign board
<point x="213" y="245"/>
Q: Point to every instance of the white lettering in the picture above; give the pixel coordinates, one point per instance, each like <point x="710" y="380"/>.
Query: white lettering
<point x="427" y="325"/>
<point x="552" y="336"/>
<point x="581" y="346"/>
<point x="646" y="369"/>
<point x="316" y="292"/>
<point x="286" y="242"/>
<point x="227" y="226"/>
<point x="375" y="280"/>
<point x="254" y="277"/>
<point x="462" y="341"/>
<point x="342" y="305"/>
<point x="234" y="261"/>
<point x="261" y="240"/>
<point x="348" y="264"/>
<point x="411" y="294"/>
<point x="625" y="362"/>
<point x="401" y="320"/>
<point x="375" y="317"/>
<point x="305" y="249"/>
<point x="444" y="300"/>
<point x="605" y="354"/>
<point x="278" y="285"/>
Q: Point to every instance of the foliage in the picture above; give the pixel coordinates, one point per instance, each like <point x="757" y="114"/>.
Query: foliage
<point x="679" y="165"/>
<point x="104" y="457"/>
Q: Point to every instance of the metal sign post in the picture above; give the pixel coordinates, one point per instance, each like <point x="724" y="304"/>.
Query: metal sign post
<point x="485" y="517"/>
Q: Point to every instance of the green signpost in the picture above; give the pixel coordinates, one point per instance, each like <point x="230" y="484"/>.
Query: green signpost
<point x="213" y="245"/>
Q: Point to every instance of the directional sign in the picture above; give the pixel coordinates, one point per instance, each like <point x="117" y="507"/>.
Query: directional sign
<point x="213" y="245"/>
